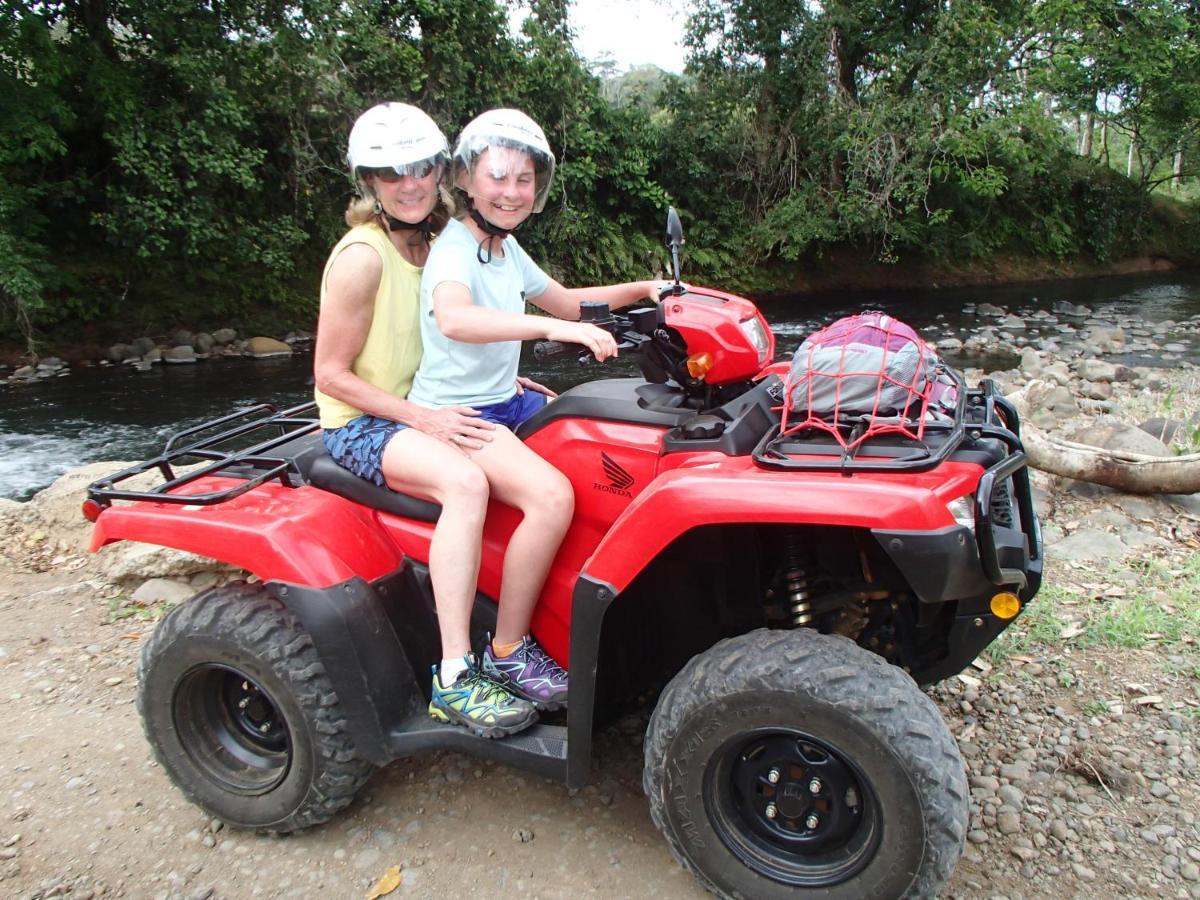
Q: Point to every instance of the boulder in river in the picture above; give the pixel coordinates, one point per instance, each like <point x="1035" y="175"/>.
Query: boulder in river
<point x="224" y="335"/>
<point x="143" y="346"/>
<point x="265" y="347"/>
<point x="181" y="354"/>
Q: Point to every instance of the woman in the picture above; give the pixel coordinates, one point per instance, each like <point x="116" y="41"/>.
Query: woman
<point x="368" y="349"/>
<point x="473" y="293"/>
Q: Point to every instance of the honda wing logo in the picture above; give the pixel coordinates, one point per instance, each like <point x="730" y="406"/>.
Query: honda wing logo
<point x="619" y="481"/>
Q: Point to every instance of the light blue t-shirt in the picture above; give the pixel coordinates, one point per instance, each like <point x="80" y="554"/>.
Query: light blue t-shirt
<point x="455" y="373"/>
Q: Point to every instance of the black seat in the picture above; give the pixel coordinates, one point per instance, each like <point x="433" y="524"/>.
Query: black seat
<point x="326" y="474"/>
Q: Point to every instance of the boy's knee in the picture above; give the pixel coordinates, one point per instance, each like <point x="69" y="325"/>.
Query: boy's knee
<point x="558" y="498"/>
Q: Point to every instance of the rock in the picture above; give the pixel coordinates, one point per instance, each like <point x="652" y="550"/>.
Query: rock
<point x="183" y="337"/>
<point x="183" y="353"/>
<point x="1161" y="429"/>
<point x="144" y="345"/>
<point x="522" y="836"/>
<point x="1120" y="437"/>
<point x="949" y="345"/>
<point x="1008" y="822"/>
<point x="224" y="335"/>
<point x="265" y="347"/>
<point x="988" y="309"/>
<point x="1097" y="390"/>
<point x="1089" y="544"/>
<point x="204" y="342"/>
<point x="1066" y="308"/>
<point x="163" y="590"/>
<point x="1031" y="362"/>
<point x="1106" y="338"/>
<point x="153" y="356"/>
<point x="1013" y="323"/>
<point x="127" y="561"/>
<point x="120" y="352"/>
<point x="57" y="507"/>
<point x="1096" y="370"/>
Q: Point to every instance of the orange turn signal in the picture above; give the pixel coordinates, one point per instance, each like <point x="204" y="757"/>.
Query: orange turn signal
<point x="1005" y="605"/>
<point x="698" y="365"/>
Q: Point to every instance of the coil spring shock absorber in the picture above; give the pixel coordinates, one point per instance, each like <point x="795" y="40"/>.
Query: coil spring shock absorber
<point x="795" y="578"/>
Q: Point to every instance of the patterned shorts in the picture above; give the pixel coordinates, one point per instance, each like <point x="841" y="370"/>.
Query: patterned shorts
<point x="359" y="444"/>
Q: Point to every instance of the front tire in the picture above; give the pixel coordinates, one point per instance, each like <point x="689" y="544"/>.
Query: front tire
<point x="242" y="717"/>
<point x="785" y="763"/>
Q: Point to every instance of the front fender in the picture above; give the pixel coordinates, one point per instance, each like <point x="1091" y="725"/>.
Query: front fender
<point x="302" y="535"/>
<point x="734" y="490"/>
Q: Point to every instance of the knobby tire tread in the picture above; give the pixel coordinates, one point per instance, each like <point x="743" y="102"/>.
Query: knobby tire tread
<point x="843" y="675"/>
<point x="260" y="624"/>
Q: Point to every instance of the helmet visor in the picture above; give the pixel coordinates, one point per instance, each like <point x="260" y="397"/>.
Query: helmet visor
<point x="419" y="170"/>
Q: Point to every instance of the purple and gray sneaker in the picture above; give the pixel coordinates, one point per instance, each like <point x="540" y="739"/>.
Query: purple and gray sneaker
<point x="530" y="673"/>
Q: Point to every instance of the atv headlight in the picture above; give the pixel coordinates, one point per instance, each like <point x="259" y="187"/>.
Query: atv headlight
<point x="963" y="510"/>
<point x="757" y="335"/>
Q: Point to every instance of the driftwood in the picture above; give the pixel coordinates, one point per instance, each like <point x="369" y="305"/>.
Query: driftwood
<point x="1133" y="473"/>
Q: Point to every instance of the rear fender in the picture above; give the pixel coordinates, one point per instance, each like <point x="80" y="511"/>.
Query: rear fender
<point x="301" y="536"/>
<point x="685" y="498"/>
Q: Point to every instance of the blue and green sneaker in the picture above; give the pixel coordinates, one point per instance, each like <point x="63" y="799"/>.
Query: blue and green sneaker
<point x="480" y="703"/>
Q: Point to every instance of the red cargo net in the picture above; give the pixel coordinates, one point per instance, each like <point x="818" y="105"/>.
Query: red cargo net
<point x="862" y="377"/>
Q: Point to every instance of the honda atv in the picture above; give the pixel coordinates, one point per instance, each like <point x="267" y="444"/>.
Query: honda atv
<point x="789" y="587"/>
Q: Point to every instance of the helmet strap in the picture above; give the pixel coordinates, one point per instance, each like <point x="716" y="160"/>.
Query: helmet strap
<point x="421" y="231"/>
<point x="492" y="231"/>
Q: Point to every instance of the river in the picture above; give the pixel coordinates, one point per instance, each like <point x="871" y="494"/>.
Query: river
<point x="118" y="413"/>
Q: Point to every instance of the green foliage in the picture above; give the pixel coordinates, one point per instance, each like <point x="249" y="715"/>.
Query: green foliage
<point x="182" y="161"/>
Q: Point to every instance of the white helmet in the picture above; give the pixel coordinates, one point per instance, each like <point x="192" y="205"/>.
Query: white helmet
<point x="395" y="136"/>
<point x="514" y="130"/>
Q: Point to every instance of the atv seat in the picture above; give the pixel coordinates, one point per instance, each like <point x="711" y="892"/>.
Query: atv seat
<point x="326" y="474"/>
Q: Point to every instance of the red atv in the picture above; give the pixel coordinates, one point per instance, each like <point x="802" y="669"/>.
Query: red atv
<point x="788" y="592"/>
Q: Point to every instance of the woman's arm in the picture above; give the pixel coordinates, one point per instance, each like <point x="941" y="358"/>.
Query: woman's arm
<point x="345" y="320"/>
<point x="564" y="302"/>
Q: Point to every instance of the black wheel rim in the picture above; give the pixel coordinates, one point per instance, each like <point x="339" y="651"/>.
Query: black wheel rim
<point x="792" y="807"/>
<point x="232" y="729"/>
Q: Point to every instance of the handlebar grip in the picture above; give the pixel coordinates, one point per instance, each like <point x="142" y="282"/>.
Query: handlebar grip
<point x="550" y="349"/>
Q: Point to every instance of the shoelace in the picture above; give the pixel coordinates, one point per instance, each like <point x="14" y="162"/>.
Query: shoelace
<point x="491" y="687"/>
<point x="543" y="662"/>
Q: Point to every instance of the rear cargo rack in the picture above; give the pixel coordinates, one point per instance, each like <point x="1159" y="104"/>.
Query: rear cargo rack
<point x="264" y="427"/>
<point x="816" y="450"/>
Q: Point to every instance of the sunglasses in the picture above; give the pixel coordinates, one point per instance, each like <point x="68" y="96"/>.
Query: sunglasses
<point x="392" y="174"/>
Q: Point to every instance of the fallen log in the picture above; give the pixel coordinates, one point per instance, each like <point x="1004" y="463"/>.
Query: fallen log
<point x="1133" y="473"/>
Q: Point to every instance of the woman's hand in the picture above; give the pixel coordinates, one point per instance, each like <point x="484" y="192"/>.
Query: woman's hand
<point x="602" y="344"/>
<point x="458" y="426"/>
<point x="524" y="384"/>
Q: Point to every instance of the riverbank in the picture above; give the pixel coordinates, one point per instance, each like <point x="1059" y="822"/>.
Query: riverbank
<point x="1080" y="727"/>
<point x="845" y="271"/>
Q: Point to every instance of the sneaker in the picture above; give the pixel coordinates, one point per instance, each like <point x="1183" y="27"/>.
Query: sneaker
<point x="480" y="703"/>
<point x="530" y="673"/>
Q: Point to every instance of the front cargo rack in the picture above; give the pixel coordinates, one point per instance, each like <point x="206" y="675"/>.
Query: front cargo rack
<point x="249" y="448"/>
<point x="979" y="413"/>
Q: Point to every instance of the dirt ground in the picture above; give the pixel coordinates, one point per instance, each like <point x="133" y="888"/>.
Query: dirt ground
<point x="85" y="812"/>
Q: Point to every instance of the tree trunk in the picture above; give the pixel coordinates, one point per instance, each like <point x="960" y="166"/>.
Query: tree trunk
<point x="1104" y="140"/>
<point x="1177" y="181"/>
<point x="1133" y="473"/>
<point x="1129" y="160"/>
<point x="1085" y="137"/>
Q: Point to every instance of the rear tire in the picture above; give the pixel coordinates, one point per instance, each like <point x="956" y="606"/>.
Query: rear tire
<point x="794" y="763"/>
<point x="240" y="713"/>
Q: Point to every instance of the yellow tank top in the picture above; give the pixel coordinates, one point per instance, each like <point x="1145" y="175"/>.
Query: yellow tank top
<point x="392" y="351"/>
